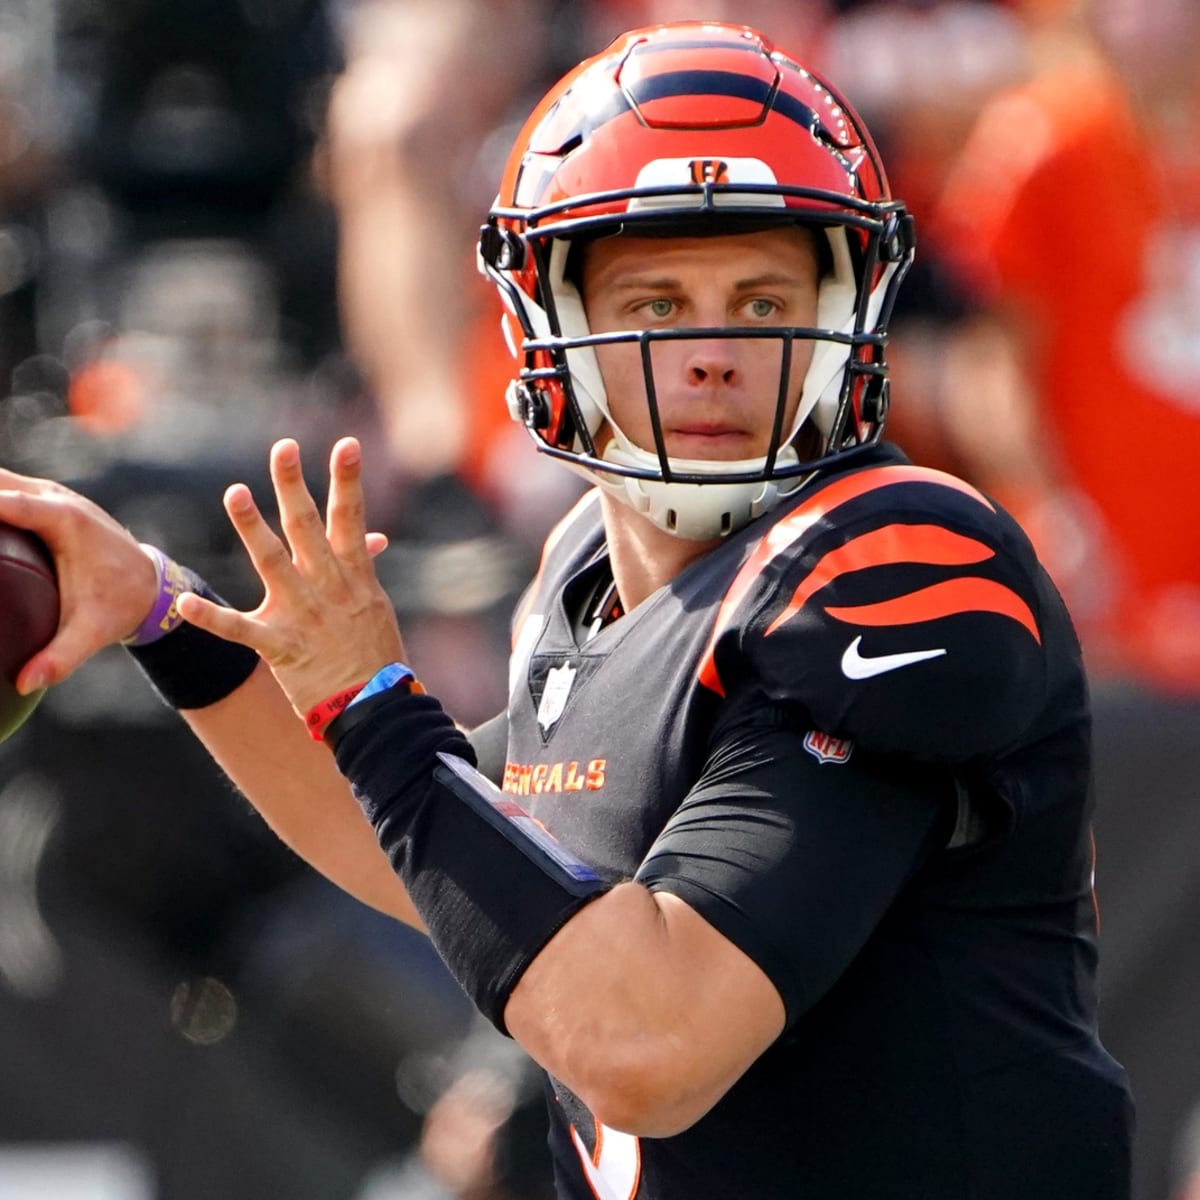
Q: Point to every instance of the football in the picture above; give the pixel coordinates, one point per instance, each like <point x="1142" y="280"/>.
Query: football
<point x="28" y="617"/>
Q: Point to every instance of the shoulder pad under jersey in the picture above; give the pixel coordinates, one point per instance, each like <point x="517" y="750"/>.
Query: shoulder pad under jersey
<point x="582" y="522"/>
<point x="899" y="608"/>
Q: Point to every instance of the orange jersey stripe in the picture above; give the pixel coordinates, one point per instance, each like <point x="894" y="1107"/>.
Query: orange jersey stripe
<point x="786" y="531"/>
<point x="929" y="544"/>
<point x="943" y="600"/>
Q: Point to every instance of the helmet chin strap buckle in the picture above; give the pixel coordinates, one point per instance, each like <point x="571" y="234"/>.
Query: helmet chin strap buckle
<point x="527" y="405"/>
<point x="501" y="249"/>
<point x="899" y="238"/>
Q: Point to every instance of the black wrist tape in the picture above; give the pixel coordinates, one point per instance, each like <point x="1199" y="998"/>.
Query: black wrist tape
<point x="191" y="668"/>
<point x="491" y="886"/>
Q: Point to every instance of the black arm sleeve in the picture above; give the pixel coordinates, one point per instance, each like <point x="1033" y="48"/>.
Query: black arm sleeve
<point x="795" y="859"/>
<point x="490" y="885"/>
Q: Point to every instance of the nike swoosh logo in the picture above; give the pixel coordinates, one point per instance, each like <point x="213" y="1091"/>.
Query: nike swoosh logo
<point x="855" y="666"/>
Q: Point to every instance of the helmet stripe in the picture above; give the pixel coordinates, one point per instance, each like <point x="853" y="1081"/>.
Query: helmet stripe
<point x="692" y="84"/>
<point x="732" y="84"/>
<point x="697" y="84"/>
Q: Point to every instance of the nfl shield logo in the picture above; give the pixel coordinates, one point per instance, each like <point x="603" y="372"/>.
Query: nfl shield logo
<point x="554" y="698"/>
<point x="826" y="748"/>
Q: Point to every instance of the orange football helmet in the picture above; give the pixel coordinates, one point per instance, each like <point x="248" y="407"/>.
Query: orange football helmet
<point x="679" y="130"/>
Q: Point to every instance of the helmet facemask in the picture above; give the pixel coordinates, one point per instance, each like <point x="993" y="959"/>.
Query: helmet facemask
<point x="560" y="394"/>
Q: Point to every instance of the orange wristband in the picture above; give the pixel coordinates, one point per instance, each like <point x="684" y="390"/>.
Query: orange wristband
<point x="321" y="714"/>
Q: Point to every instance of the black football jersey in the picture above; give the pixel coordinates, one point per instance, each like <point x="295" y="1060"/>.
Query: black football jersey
<point x="854" y="737"/>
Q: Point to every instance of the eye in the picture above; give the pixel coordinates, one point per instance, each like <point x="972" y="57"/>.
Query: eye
<point x="660" y="307"/>
<point x="762" y="308"/>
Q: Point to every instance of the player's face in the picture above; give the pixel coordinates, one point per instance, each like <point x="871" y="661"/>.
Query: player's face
<point x="716" y="395"/>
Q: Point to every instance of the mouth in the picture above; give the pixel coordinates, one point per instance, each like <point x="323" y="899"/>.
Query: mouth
<point x="707" y="440"/>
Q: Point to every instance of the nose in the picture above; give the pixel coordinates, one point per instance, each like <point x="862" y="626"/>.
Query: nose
<point x="711" y="360"/>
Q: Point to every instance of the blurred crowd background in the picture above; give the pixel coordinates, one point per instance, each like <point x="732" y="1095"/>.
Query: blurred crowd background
<point x="223" y="221"/>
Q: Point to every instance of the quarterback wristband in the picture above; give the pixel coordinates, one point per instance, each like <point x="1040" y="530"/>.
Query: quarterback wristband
<point x="163" y="617"/>
<point x="359" y="706"/>
<point x="319" y="716"/>
<point x="491" y="886"/>
<point x="191" y="668"/>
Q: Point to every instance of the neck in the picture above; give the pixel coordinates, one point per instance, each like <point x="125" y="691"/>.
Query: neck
<point x="644" y="557"/>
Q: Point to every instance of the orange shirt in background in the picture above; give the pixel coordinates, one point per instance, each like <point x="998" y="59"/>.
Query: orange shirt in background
<point x="1062" y="210"/>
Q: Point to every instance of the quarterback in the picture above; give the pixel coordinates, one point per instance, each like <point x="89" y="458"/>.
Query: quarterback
<point x="779" y="860"/>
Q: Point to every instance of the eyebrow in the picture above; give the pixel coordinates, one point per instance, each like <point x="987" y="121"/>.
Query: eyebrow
<point x="668" y="282"/>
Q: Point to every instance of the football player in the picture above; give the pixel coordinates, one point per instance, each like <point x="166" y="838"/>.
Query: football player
<point x="779" y="861"/>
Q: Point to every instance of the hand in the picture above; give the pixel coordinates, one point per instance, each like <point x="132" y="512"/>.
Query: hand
<point x="324" y="623"/>
<point x="106" y="582"/>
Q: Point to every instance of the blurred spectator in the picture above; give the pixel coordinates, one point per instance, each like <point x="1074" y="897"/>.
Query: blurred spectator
<point x="1186" y="1165"/>
<point x="194" y="121"/>
<point x="182" y="317"/>
<point x="410" y="166"/>
<point x="797" y="26"/>
<point x="1072" y="218"/>
<point x="1073" y="214"/>
<point x="484" y="1138"/>
<point x="919" y="74"/>
<point x="27" y="172"/>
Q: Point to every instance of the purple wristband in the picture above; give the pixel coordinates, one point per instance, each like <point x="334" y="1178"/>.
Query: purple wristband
<point x="173" y="581"/>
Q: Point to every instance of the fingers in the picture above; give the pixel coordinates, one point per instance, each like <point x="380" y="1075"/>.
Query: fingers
<point x="72" y="646"/>
<point x="298" y="513"/>
<point x="93" y="595"/>
<point x="346" y="516"/>
<point x="106" y="583"/>
<point x="314" y="543"/>
<point x="324" y="620"/>
<point x="25" y="509"/>
<point x="268" y="555"/>
<point x="12" y="482"/>
<point x="36" y="674"/>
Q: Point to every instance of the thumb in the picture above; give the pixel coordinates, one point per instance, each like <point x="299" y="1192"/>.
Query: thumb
<point x="222" y="622"/>
<point x="68" y="650"/>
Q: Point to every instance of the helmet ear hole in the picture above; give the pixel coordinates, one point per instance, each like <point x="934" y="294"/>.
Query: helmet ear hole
<point x="535" y="408"/>
<point x="876" y="398"/>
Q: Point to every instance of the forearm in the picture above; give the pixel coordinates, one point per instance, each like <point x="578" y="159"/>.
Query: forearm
<point x="256" y="738"/>
<point x="109" y="588"/>
<point x="644" y="1011"/>
<point x="623" y="994"/>
<point x="495" y="892"/>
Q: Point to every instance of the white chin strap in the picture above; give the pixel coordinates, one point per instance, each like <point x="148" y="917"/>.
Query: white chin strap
<point x="701" y="511"/>
<point x="695" y="511"/>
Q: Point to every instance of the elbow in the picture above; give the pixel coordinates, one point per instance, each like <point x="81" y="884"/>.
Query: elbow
<point x="641" y="1090"/>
